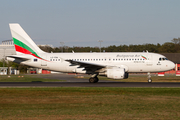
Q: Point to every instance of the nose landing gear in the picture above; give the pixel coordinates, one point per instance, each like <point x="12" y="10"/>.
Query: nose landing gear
<point x="149" y="77"/>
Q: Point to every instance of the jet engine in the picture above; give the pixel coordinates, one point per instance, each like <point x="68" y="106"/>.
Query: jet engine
<point x="117" y="73"/>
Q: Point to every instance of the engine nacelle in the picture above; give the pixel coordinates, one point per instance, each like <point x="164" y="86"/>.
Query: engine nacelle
<point x="116" y="73"/>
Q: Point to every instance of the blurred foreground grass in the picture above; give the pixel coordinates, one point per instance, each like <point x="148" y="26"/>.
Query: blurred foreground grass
<point x="89" y="103"/>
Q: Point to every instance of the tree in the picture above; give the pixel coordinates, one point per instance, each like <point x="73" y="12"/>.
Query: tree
<point x="46" y="48"/>
<point x="176" y="42"/>
<point x="167" y="47"/>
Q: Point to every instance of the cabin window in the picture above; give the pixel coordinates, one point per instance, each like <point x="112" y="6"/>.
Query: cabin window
<point x="162" y="59"/>
<point x="35" y="60"/>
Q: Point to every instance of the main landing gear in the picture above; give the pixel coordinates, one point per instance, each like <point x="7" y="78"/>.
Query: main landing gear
<point x="93" y="79"/>
<point x="149" y="77"/>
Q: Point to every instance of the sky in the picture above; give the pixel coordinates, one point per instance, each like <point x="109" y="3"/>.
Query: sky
<point x="85" y="22"/>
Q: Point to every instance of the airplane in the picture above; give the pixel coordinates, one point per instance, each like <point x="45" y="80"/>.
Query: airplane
<point x="114" y="65"/>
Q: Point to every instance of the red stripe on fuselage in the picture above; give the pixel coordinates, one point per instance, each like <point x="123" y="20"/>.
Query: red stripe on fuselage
<point x="22" y="50"/>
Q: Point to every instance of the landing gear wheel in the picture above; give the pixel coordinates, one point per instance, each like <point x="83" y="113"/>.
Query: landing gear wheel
<point x="149" y="77"/>
<point x="93" y="80"/>
<point x="149" y="81"/>
<point x="97" y="79"/>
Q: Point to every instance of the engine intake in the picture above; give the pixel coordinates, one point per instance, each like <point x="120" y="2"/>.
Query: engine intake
<point x="117" y="73"/>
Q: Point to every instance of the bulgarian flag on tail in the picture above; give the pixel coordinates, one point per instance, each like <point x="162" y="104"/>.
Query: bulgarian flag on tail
<point x="23" y="48"/>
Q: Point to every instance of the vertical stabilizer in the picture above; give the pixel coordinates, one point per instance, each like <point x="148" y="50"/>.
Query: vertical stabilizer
<point x="22" y="42"/>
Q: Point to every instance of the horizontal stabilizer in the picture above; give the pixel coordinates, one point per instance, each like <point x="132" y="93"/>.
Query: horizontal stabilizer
<point x="23" y="58"/>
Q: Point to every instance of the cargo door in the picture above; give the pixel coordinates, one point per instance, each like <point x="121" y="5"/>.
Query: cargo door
<point x="149" y="61"/>
<point x="43" y="61"/>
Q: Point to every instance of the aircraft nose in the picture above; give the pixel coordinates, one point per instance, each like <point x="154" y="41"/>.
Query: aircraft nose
<point x="171" y="65"/>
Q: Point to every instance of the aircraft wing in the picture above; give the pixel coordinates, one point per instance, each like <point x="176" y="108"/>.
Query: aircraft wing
<point x="88" y="66"/>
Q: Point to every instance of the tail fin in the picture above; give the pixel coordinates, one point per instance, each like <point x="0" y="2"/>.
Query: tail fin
<point x="22" y="42"/>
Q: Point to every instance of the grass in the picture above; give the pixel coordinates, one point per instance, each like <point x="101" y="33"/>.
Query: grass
<point x="25" y="78"/>
<point x="89" y="103"/>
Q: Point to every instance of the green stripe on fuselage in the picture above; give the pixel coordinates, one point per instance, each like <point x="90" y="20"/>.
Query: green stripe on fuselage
<point x="21" y="44"/>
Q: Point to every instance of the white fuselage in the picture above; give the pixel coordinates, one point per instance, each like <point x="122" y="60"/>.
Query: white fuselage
<point x="131" y="61"/>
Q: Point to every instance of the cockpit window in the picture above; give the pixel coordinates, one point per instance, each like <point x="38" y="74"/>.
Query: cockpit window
<point x="162" y="59"/>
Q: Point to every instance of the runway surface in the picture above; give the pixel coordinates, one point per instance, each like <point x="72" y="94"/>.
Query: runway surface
<point x="86" y="84"/>
<point x="72" y="81"/>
